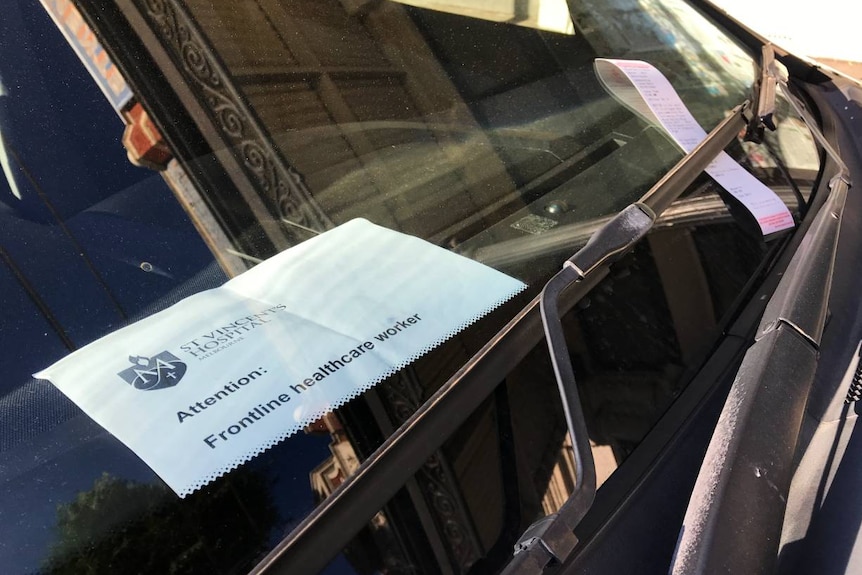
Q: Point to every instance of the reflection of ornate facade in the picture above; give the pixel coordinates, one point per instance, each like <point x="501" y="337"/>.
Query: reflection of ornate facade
<point x="302" y="92"/>
<point x="284" y="193"/>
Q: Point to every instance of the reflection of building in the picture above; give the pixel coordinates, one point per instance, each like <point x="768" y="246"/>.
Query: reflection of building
<point x="377" y="544"/>
<point x="302" y="92"/>
<point x="324" y="117"/>
<point x="289" y="117"/>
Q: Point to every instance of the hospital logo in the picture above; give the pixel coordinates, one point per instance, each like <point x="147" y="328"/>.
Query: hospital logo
<point x="156" y="372"/>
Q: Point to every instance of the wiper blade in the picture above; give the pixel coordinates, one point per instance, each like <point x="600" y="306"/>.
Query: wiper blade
<point x="331" y="526"/>
<point x="774" y="78"/>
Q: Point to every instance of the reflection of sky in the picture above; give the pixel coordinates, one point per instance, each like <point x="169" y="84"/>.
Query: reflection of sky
<point x="64" y="143"/>
<point x="827" y="29"/>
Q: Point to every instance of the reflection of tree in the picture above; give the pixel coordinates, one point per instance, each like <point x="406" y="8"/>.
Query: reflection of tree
<point x="124" y="527"/>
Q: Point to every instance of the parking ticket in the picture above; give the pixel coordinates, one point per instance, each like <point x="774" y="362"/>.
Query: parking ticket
<point x="214" y="380"/>
<point x="643" y="89"/>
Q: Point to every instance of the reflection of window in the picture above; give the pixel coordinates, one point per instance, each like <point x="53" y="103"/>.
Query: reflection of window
<point x="550" y="15"/>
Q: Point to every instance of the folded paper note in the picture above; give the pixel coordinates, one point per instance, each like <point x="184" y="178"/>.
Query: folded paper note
<point x="643" y="89"/>
<point x="207" y="384"/>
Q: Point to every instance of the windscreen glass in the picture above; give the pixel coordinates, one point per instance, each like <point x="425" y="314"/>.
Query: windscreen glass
<point x="254" y="126"/>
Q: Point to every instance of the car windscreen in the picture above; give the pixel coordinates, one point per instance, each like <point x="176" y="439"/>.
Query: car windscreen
<point x="468" y="124"/>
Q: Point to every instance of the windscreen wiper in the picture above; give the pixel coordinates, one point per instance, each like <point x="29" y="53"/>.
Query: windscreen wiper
<point x="332" y="525"/>
<point x="551" y="539"/>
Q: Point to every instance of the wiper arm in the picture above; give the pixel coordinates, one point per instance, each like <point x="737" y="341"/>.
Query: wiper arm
<point x="553" y="537"/>
<point x="331" y="526"/>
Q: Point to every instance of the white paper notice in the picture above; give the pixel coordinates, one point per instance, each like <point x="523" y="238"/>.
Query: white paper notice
<point x="207" y="384"/>
<point x="645" y="90"/>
